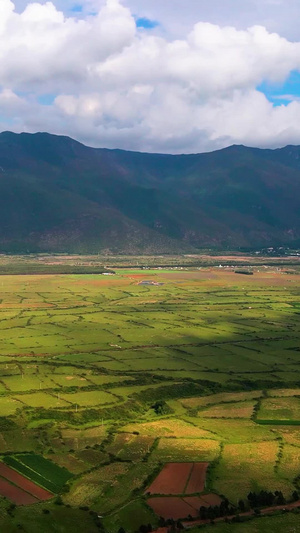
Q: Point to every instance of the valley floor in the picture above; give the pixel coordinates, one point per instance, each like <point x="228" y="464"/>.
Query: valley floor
<point x="105" y="379"/>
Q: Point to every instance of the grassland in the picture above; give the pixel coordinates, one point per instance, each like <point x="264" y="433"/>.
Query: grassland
<point x="111" y="379"/>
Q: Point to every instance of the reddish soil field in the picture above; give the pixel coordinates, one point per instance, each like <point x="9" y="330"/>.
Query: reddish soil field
<point x="211" y="499"/>
<point x="172" y="508"/>
<point x="176" y="507"/>
<point x="197" y="480"/>
<point x="196" y="502"/>
<point x="172" y="479"/>
<point x="24" y="483"/>
<point x="15" y="494"/>
<point x="203" y="501"/>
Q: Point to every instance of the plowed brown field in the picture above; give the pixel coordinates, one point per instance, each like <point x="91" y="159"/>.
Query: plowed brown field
<point x="211" y="499"/>
<point x="172" y="508"/>
<point x="180" y="478"/>
<point x="172" y="479"/>
<point x="196" y="502"/>
<point x="197" y="480"/>
<point x="176" y="507"/>
<point x="15" y="494"/>
<point x="24" y="483"/>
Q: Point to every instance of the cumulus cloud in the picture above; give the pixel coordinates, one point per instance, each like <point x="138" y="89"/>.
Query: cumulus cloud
<point x="114" y="85"/>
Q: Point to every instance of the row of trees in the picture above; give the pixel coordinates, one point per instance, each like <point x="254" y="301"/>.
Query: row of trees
<point x="266" y="498"/>
<point x="254" y="500"/>
<point x="217" y="511"/>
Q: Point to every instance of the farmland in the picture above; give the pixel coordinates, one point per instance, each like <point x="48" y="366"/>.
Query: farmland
<point x="105" y="382"/>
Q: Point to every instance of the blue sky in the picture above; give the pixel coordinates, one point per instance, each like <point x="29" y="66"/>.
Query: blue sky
<point x="145" y="23"/>
<point x="153" y="75"/>
<point x="282" y="93"/>
<point x="77" y="8"/>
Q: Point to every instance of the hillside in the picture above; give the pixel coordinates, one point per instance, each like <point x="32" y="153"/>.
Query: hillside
<point x="61" y="196"/>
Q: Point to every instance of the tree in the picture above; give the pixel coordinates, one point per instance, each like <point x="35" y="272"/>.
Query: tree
<point x="203" y="513"/>
<point x="242" y="506"/>
<point x="161" y="407"/>
<point x="280" y="498"/>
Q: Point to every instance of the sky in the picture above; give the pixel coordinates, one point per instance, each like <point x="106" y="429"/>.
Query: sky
<point x="168" y="76"/>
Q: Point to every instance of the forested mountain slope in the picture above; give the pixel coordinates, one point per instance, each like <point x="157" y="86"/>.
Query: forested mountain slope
<point x="59" y="195"/>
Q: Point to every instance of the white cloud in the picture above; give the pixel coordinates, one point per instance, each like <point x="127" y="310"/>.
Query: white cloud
<point x="115" y="86"/>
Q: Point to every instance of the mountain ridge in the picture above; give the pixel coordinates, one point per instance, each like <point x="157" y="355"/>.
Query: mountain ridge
<point x="58" y="195"/>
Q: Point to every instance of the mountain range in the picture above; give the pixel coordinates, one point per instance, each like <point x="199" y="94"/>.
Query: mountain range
<point x="57" y="195"/>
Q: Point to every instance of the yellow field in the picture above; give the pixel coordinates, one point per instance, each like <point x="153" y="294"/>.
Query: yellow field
<point x="172" y="450"/>
<point x="219" y="398"/>
<point x="249" y="467"/>
<point x="168" y="428"/>
<point x="229" y="410"/>
<point x="89" y="487"/>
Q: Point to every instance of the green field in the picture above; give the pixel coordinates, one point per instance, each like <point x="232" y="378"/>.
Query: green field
<point x="104" y="380"/>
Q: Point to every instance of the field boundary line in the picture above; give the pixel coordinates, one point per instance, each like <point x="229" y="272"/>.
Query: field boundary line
<point x="189" y="477"/>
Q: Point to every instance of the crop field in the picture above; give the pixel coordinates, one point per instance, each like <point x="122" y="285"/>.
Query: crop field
<point x="184" y="479"/>
<point x="105" y="383"/>
<point x="169" y="427"/>
<point x="180" y="478"/>
<point x="283" y="409"/>
<point x="40" y="470"/>
<point x="15" y="494"/>
<point x="10" y="475"/>
<point x="169" y="450"/>
<point x="179" y="508"/>
<point x="173" y="507"/>
<point x="222" y="398"/>
<point x="172" y="479"/>
<point x="230" y="410"/>
<point x="249" y="467"/>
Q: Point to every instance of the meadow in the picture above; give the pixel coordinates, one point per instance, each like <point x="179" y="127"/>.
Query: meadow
<point x="109" y="379"/>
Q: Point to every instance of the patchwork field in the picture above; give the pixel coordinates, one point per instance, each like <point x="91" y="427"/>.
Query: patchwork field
<point x="38" y="469"/>
<point x="184" y="479"/>
<point x="107" y="384"/>
<point x="21" y="483"/>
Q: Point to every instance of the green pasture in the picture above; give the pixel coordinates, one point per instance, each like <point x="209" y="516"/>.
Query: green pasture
<point x="285" y="409"/>
<point x="41" y="399"/>
<point x="88" y="398"/>
<point x="24" y="382"/>
<point x="33" y="518"/>
<point x="130" y="517"/>
<point x="9" y="405"/>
